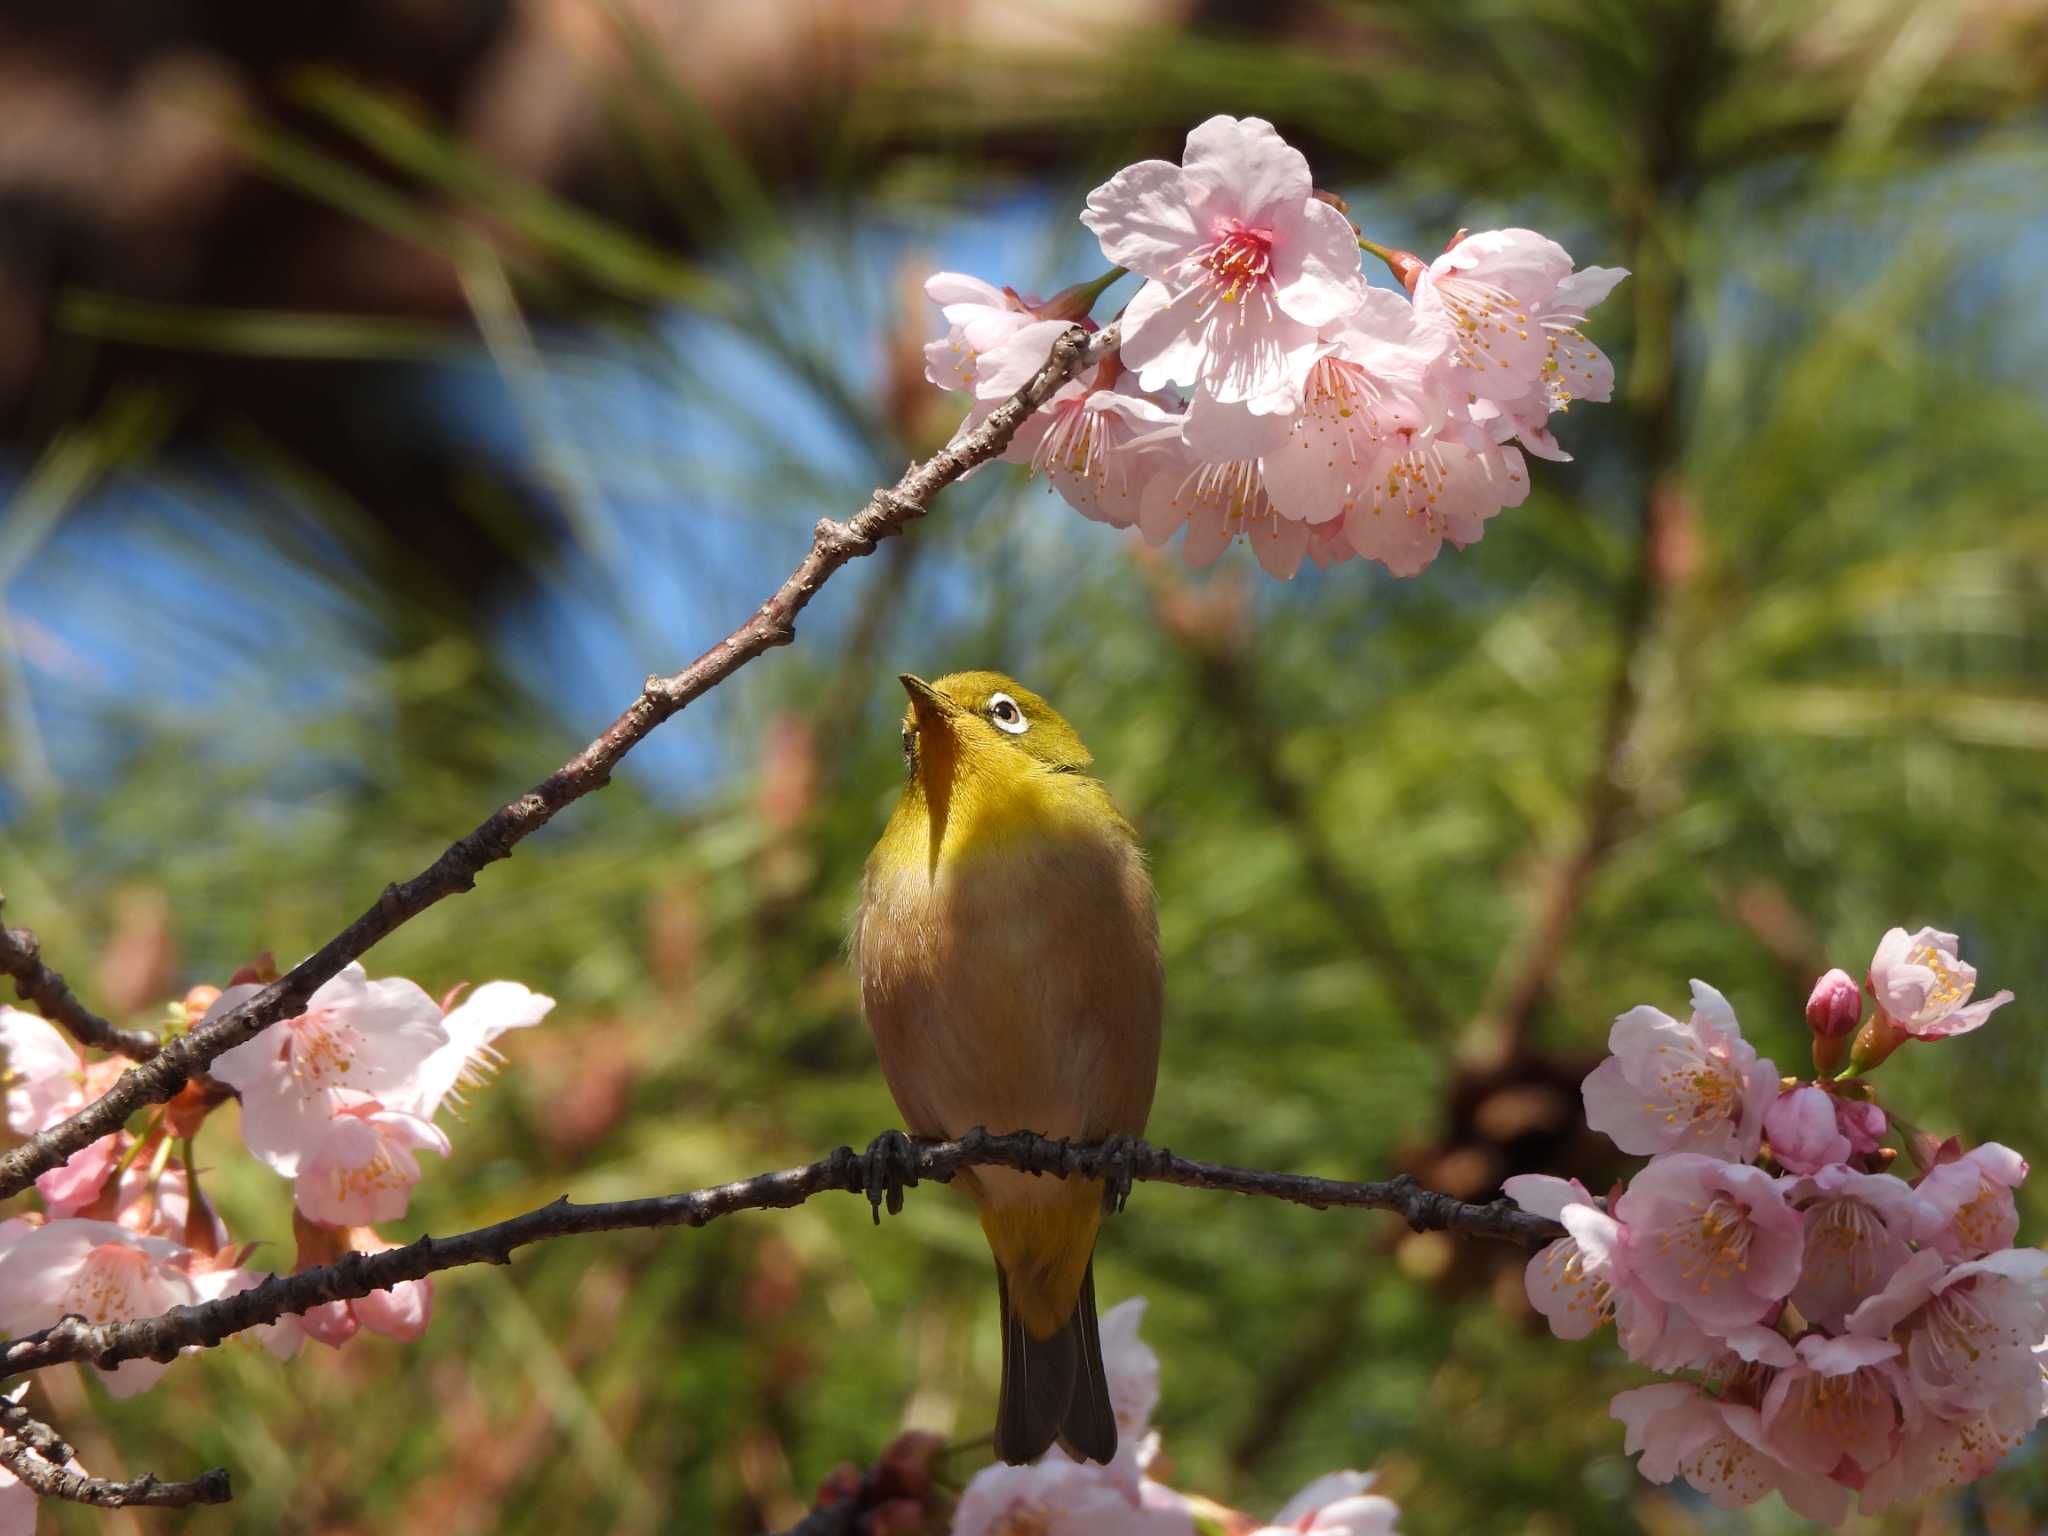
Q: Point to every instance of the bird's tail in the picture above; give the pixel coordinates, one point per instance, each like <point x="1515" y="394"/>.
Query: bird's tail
<point x="1054" y="1388"/>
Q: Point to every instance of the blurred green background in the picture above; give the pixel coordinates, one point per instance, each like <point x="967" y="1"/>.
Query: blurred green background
<point x="386" y="389"/>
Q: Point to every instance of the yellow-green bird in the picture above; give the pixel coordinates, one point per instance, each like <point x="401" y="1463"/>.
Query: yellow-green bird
<point x="1009" y="964"/>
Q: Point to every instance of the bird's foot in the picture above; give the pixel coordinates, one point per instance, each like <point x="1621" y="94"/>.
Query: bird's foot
<point x="1118" y="1154"/>
<point x="891" y="1164"/>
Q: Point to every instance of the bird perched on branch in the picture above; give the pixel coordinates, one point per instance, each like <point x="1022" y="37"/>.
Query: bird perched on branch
<point x="1009" y="963"/>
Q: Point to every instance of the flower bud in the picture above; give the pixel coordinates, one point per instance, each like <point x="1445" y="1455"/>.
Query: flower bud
<point x="1836" y="1006"/>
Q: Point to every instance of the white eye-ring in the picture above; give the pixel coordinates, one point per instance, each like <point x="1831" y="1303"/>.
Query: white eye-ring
<point x="1003" y="710"/>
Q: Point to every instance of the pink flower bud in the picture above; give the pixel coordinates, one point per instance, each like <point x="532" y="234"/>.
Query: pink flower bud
<point x="1800" y="1127"/>
<point x="1836" y="1006"/>
<point x="1864" y="1124"/>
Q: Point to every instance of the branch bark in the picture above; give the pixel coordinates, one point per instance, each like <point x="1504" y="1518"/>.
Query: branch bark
<point x="45" y="991"/>
<point x="34" y="1453"/>
<point x="773" y="624"/>
<point x="892" y="1163"/>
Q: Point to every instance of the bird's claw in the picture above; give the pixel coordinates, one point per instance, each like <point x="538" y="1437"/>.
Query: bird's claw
<point x="1118" y="1154"/>
<point x="891" y="1163"/>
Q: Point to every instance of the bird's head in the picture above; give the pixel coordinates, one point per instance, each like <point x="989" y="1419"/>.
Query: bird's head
<point x="987" y="726"/>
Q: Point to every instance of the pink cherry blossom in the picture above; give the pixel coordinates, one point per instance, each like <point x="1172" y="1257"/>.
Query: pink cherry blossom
<point x="1218" y="502"/>
<point x="1336" y="1504"/>
<point x="1693" y="1087"/>
<point x="360" y="1168"/>
<point x="1972" y="1201"/>
<point x="979" y="317"/>
<point x="469" y="1057"/>
<point x="1863" y="1123"/>
<point x="1938" y="1453"/>
<point x="1719" y="1447"/>
<point x="1857" y="1230"/>
<point x="1800" y="1127"/>
<point x="1570" y="1287"/>
<point x="1355" y="389"/>
<point x="43" y="1073"/>
<point x="332" y="1323"/>
<point x="1841" y="1399"/>
<point x="1097" y="442"/>
<point x="1970" y="1332"/>
<point x="1925" y="986"/>
<point x="1437" y="491"/>
<point x="76" y="1182"/>
<point x="1056" y="1497"/>
<point x="100" y="1270"/>
<point x="365" y="1036"/>
<point x="1244" y="262"/>
<point x="1509" y="306"/>
<point x="1714" y="1240"/>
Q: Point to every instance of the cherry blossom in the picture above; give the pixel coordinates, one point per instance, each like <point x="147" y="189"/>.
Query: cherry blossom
<point x="1938" y="1453"/>
<point x="364" y="1036"/>
<point x="1352" y="392"/>
<point x="100" y="1270"/>
<point x="1972" y="1201"/>
<point x="1218" y="502"/>
<point x="1857" y="1230"/>
<point x="1921" y="982"/>
<point x="1970" y="1332"/>
<point x="1800" y="1126"/>
<point x="1336" y="1504"/>
<point x="1437" y="491"/>
<point x="1062" y="1498"/>
<point x="1695" y="1087"/>
<point x="979" y="317"/>
<point x="1244" y="263"/>
<point x="469" y="1057"/>
<point x="1510" y="305"/>
<point x="360" y="1167"/>
<point x="1718" y="1446"/>
<point x="45" y="1076"/>
<point x="401" y="1311"/>
<point x="1840" y="1400"/>
<point x="1713" y="1239"/>
<point x="1096" y="442"/>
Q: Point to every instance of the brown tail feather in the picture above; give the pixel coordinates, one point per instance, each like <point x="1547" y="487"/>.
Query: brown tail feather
<point x="1055" y="1388"/>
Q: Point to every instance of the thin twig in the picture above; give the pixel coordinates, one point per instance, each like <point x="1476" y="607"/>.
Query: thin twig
<point x="50" y="1480"/>
<point x="17" y="1423"/>
<point x="357" y="1274"/>
<point x="44" y="990"/>
<point x="772" y="624"/>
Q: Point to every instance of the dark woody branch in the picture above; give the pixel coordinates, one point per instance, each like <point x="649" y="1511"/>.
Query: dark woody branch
<point x="883" y="1171"/>
<point x="158" y="1079"/>
<point x="44" y="990"/>
<point x="34" y="1453"/>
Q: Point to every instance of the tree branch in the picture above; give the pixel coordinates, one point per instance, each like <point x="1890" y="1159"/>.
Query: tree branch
<point x="774" y="623"/>
<point x="893" y="1161"/>
<point x="44" y="990"/>
<point x="33" y="1452"/>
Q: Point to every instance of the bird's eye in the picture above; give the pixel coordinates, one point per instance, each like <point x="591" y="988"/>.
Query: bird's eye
<point x="1003" y="710"/>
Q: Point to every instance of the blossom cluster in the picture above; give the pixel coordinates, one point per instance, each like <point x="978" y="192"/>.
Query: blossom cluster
<point x="1059" y="1496"/>
<point x="1262" y="390"/>
<point x="1837" y="1330"/>
<point x="339" y="1099"/>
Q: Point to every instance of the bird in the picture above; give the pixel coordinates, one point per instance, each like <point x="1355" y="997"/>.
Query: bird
<point x="1008" y="948"/>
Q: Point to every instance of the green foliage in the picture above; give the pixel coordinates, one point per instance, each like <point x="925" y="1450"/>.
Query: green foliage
<point x="1831" y="627"/>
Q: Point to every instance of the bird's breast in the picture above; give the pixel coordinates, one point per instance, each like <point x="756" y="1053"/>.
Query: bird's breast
<point x="1017" y="987"/>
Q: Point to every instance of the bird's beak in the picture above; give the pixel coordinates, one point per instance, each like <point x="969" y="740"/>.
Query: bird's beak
<point x="929" y="705"/>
